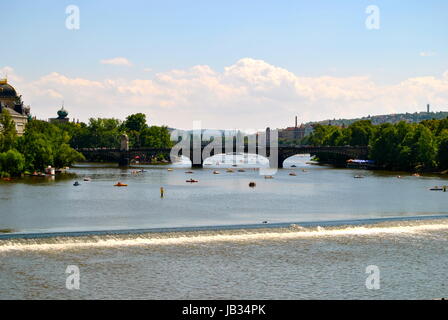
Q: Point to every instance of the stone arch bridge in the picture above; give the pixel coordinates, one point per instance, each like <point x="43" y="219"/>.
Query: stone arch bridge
<point x="276" y="155"/>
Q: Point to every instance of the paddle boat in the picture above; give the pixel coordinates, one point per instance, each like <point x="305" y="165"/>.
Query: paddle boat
<point x="120" y="184"/>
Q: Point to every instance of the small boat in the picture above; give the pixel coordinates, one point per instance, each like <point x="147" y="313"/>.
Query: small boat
<point x="76" y="184"/>
<point x="293" y="166"/>
<point x="169" y="169"/>
<point x="304" y="170"/>
<point x="188" y="171"/>
<point x="436" y="188"/>
<point x="358" y="176"/>
<point x="229" y="170"/>
<point x="215" y="172"/>
<point x="268" y="177"/>
<point x="191" y="180"/>
<point x="120" y="184"/>
<point x="252" y="184"/>
<point x="87" y="179"/>
<point x="234" y="165"/>
<point x="416" y="175"/>
<point x="264" y="222"/>
<point x="292" y="174"/>
<point x="241" y="170"/>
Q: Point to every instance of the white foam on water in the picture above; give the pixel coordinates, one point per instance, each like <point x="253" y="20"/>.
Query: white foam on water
<point x="294" y="232"/>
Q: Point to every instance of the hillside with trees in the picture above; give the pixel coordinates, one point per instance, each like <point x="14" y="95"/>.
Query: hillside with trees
<point x="415" y="117"/>
<point x="401" y="146"/>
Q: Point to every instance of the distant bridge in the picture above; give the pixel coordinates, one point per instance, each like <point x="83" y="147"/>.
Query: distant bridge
<point x="197" y="155"/>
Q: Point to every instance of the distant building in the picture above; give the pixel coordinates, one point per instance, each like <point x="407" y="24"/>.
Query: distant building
<point x="292" y="133"/>
<point x="62" y="116"/>
<point x="11" y="102"/>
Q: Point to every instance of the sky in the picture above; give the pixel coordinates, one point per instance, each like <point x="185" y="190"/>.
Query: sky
<point x="229" y="64"/>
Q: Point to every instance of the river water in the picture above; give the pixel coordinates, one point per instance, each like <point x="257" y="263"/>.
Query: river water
<point x="304" y="236"/>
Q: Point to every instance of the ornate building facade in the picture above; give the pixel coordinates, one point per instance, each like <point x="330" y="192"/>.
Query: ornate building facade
<point x="12" y="103"/>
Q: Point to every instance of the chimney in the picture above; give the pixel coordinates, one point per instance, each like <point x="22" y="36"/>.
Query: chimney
<point x="296" y="121"/>
<point x="427" y="108"/>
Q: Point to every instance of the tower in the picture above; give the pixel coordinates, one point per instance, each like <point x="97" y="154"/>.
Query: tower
<point x="427" y="108"/>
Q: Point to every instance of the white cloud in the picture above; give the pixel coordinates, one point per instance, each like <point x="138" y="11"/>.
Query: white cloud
<point x="248" y="94"/>
<point x="9" y="73"/>
<point x="118" y="61"/>
<point x="147" y="69"/>
<point x="427" y="54"/>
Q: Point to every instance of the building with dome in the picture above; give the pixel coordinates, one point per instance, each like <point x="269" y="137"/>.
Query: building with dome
<point x="62" y="116"/>
<point x="11" y="102"/>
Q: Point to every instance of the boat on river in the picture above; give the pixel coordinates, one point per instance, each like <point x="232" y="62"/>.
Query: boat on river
<point x="120" y="184"/>
<point x="437" y="188"/>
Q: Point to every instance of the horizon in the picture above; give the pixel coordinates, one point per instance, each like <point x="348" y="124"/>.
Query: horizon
<point x="227" y="64"/>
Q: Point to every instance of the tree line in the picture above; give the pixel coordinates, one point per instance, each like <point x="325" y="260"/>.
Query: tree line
<point x="402" y="146"/>
<point x="106" y="132"/>
<point x="54" y="144"/>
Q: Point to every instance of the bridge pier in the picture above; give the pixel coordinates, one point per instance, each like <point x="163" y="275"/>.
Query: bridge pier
<point x="124" y="161"/>
<point x="198" y="165"/>
<point x="278" y="165"/>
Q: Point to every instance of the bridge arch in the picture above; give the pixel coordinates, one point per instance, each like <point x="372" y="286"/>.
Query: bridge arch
<point x="237" y="158"/>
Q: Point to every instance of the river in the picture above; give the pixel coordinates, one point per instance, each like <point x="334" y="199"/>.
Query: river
<point x="308" y="235"/>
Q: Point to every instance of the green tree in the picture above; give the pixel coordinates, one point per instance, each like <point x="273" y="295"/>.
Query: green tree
<point x="156" y="137"/>
<point x="12" y="162"/>
<point x="360" y="133"/>
<point x="8" y="133"/>
<point x="442" y="154"/>
<point x="136" y="122"/>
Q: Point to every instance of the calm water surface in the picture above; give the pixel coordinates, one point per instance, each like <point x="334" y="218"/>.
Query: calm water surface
<point x="290" y="262"/>
<point x="320" y="193"/>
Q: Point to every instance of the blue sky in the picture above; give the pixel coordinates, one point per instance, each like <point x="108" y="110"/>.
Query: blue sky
<point x="307" y="38"/>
